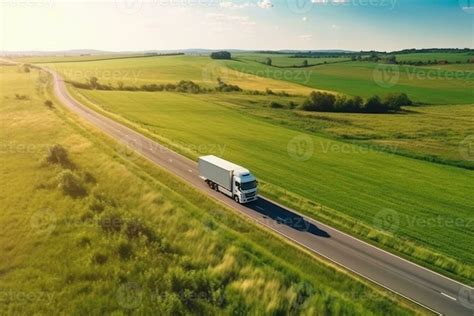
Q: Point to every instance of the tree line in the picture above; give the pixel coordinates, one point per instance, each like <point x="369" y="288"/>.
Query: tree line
<point x="327" y="102"/>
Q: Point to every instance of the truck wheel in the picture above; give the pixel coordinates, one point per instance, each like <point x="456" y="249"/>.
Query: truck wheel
<point x="236" y="198"/>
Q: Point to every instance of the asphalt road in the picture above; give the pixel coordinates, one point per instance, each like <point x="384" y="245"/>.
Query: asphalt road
<point x="427" y="288"/>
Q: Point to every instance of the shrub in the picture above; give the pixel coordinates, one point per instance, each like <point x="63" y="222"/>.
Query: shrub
<point x="125" y="250"/>
<point x="48" y="103"/>
<point x="99" y="258"/>
<point x="71" y="184"/>
<point x="224" y="87"/>
<point x="57" y="154"/>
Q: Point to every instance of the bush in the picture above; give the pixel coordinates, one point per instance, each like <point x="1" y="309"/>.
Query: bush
<point x="125" y="251"/>
<point x="224" y="87"/>
<point x="57" y="154"/>
<point x="99" y="258"/>
<point x="48" y="103"/>
<point x="71" y="184"/>
<point x="21" y="96"/>
<point x="221" y="55"/>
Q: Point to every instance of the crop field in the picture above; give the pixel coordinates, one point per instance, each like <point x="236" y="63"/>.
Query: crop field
<point x="171" y="69"/>
<point x="423" y="85"/>
<point x="186" y="242"/>
<point x="357" y="182"/>
<point x="285" y="60"/>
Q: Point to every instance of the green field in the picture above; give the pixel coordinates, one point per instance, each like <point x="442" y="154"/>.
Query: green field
<point x="171" y="69"/>
<point x="354" y="181"/>
<point x="138" y="240"/>
<point x="365" y="79"/>
<point x="449" y="57"/>
<point x="434" y="133"/>
<point x="285" y="60"/>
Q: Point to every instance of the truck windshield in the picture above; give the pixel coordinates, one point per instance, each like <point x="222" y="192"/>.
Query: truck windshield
<point x="248" y="185"/>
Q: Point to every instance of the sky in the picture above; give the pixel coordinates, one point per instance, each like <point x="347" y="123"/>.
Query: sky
<point x="136" y="25"/>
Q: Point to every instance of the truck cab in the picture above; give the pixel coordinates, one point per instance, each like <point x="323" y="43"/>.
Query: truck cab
<point x="245" y="186"/>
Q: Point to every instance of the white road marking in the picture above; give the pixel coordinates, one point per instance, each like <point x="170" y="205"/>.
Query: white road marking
<point x="449" y="296"/>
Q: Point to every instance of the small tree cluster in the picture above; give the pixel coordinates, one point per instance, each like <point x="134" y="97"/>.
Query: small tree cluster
<point x="327" y="102"/>
<point x="71" y="184"/>
<point x="221" y="55"/>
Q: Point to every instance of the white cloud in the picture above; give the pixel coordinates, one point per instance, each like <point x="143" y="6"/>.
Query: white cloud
<point x="265" y="4"/>
<point x="304" y="19"/>
<point x="335" y="27"/>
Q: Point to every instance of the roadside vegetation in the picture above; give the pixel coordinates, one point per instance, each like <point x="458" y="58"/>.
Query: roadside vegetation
<point x="90" y="227"/>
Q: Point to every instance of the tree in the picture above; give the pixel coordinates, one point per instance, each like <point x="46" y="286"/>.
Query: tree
<point x="305" y="63"/>
<point x="221" y="55"/>
<point x="375" y="105"/>
<point x="319" y="101"/>
<point x="268" y="61"/>
<point x="395" y="101"/>
<point x="94" y="82"/>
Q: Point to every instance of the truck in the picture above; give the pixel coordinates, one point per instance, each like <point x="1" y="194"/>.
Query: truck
<point x="228" y="178"/>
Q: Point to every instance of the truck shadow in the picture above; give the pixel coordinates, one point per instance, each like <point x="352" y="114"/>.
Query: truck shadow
<point x="285" y="217"/>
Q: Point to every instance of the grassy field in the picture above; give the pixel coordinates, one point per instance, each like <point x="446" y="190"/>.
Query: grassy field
<point x="356" y="182"/>
<point x="423" y="85"/>
<point x="285" y="60"/>
<point x="434" y="133"/>
<point x="137" y="240"/>
<point x="450" y="57"/>
<point x="65" y="58"/>
<point x="171" y="69"/>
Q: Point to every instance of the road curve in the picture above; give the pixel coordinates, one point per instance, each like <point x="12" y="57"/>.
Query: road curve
<point x="429" y="289"/>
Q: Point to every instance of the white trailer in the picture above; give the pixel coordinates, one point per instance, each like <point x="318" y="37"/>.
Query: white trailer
<point x="228" y="178"/>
